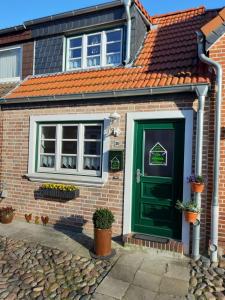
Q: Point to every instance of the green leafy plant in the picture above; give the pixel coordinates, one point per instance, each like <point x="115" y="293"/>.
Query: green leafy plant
<point x="103" y="218"/>
<point x="197" y="179"/>
<point x="59" y="187"/>
<point x="7" y="211"/>
<point x="188" y="206"/>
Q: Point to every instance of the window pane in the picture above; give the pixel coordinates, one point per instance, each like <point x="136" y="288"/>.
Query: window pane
<point x="92" y="163"/>
<point x="75" y="53"/>
<point x="93" y="62"/>
<point x="69" y="132"/>
<point x="92" y="132"/>
<point x="94" y="50"/>
<point x="48" y="132"/>
<point x="92" y="148"/>
<point x="47" y="161"/>
<point x="69" y="147"/>
<point x="47" y="147"/>
<point x="113" y="59"/>
<point x="94" y="39"/>
<point x="77" y="42"/>
<point x="75" y="64"/>
<point x="10" y="62"/>
<point x="69" y="162"/>
<point x="114" y="36"/>
<point x="114" y="47"/>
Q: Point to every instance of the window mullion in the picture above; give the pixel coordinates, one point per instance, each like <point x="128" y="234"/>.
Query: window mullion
<point x="84" y="51"/>
<point x="58" y="146"/>
<point x="80" y="151"/>
<point x="103" y="49"/>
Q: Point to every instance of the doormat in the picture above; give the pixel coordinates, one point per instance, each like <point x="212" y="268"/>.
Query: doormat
<point x="151" y="238"/>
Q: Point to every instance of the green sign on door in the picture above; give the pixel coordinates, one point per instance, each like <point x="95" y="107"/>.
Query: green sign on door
<point x="158" y="155"/>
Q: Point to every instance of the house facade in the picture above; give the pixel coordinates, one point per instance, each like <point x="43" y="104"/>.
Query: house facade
<point x="120" y="104"/>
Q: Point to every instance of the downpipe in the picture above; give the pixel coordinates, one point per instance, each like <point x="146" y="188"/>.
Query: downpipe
<point x="216" y="163"/>
<point x="127" y="4"/>
<point x="198" y="169"/>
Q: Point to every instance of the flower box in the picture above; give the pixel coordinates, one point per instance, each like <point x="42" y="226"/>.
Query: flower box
<point x="58" y="194"/>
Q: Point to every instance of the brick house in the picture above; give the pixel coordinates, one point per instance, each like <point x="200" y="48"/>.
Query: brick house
<point x="112" y="81"/>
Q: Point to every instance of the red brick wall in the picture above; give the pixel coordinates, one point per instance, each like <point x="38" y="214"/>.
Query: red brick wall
<point x="217" y="53"/>
<point x="15" y="158"/>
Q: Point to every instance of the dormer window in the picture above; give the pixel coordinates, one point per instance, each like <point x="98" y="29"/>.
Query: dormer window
<point x="10" y="64"/>
<point x="99" y="49"/>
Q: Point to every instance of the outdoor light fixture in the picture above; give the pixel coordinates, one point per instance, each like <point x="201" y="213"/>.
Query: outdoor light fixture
<point x="114" y="124"/>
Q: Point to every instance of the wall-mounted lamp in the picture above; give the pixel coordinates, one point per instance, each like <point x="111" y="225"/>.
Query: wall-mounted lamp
<point x="114" y="124"/>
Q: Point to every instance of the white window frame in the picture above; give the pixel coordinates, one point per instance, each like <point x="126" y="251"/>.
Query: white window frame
<point x="13" y="79"/>
<point x="103" y="50"/>
<point x="58" y="150"/>
<point x="79" y="176"/>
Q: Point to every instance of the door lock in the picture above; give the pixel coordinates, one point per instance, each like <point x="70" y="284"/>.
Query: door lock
<point x="138" y="175"/>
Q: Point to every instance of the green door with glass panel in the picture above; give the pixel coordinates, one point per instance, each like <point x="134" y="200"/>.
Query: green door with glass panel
<point x="158" y="177"/>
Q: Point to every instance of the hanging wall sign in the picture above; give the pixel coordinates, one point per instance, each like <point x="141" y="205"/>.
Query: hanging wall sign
<point x="116" y="160"/>
<point x="158" y="155"/>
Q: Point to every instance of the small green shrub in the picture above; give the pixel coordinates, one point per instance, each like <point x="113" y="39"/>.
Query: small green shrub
<point x="188" y="206"/>
<point x="103" y="218"/>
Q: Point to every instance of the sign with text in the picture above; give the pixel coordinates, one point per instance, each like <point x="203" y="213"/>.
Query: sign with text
<point x="158" y="155"/>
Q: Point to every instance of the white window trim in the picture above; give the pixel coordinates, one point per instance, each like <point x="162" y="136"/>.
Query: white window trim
<point x="84" y="56"/>
<point x="14" y="79"/>
<point x="86" y="180"/>
<point x="186" y="115"/>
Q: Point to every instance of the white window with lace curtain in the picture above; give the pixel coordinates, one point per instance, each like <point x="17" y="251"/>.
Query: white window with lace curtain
<point x="70" y="148"/>
<point x="10" y="64"/>
<point x="94" y="50"/>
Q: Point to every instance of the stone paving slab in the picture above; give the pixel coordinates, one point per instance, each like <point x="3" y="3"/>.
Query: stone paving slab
<point x="147" y="280"/>
<point x="138" y="293"/>
<point x="178" y="271"/>
<point x="174" y="286"/>
<point x="154" y="266"/>
<point x="123" y="272"/>
<point x="98" y="296"/>
<point x="113" y="288"/>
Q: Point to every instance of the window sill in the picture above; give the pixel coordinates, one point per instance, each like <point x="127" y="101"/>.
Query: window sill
<point x="77" y="180"/>
<point x="9" y="80"/>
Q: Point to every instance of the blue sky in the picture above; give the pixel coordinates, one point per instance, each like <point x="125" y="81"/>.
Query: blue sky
<point x="14" y="12"/>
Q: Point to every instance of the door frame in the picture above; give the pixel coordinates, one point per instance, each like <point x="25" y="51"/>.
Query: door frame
<point x="187" y="115"/>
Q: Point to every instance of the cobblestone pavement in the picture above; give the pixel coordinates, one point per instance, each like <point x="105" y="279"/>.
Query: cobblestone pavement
<point x="31" y="271"/>
<point x="207" y="280"/>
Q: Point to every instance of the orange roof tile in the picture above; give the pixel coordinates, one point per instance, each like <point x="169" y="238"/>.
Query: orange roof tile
<point x="168" y="57"/>
<point x="214" y="23"/>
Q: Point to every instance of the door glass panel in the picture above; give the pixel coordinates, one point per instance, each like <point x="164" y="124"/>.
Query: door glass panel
<point x="159" y="152"/>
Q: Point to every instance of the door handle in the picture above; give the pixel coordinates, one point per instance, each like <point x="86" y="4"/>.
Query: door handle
<point x="138" y="175"/>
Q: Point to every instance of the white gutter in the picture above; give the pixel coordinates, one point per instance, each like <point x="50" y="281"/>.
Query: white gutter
<point x="127" y="4"/>
<point x="107" y="94"/>
<point x="216" y="163"/>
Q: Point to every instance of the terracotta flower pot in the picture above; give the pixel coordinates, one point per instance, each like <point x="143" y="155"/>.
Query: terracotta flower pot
<point x="102" y="242"/>
<point x="190" y="216"/>
<point x="6" y="219"/>
<point x="197" y="187"/>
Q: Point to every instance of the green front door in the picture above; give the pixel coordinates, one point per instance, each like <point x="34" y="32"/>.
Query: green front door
<point x="158" y="177"/>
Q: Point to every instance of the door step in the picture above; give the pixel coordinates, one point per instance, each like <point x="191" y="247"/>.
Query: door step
<point x="144" y="240"/>
<point x="150" y="238"/>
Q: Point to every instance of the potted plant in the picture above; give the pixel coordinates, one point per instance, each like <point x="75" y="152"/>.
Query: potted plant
<point x="197" y="183"/>
<point x="6" y="214"/>
<point x="103" y="219"/>
<point x="60" y="191"/>
<point x="190" y="209"/>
